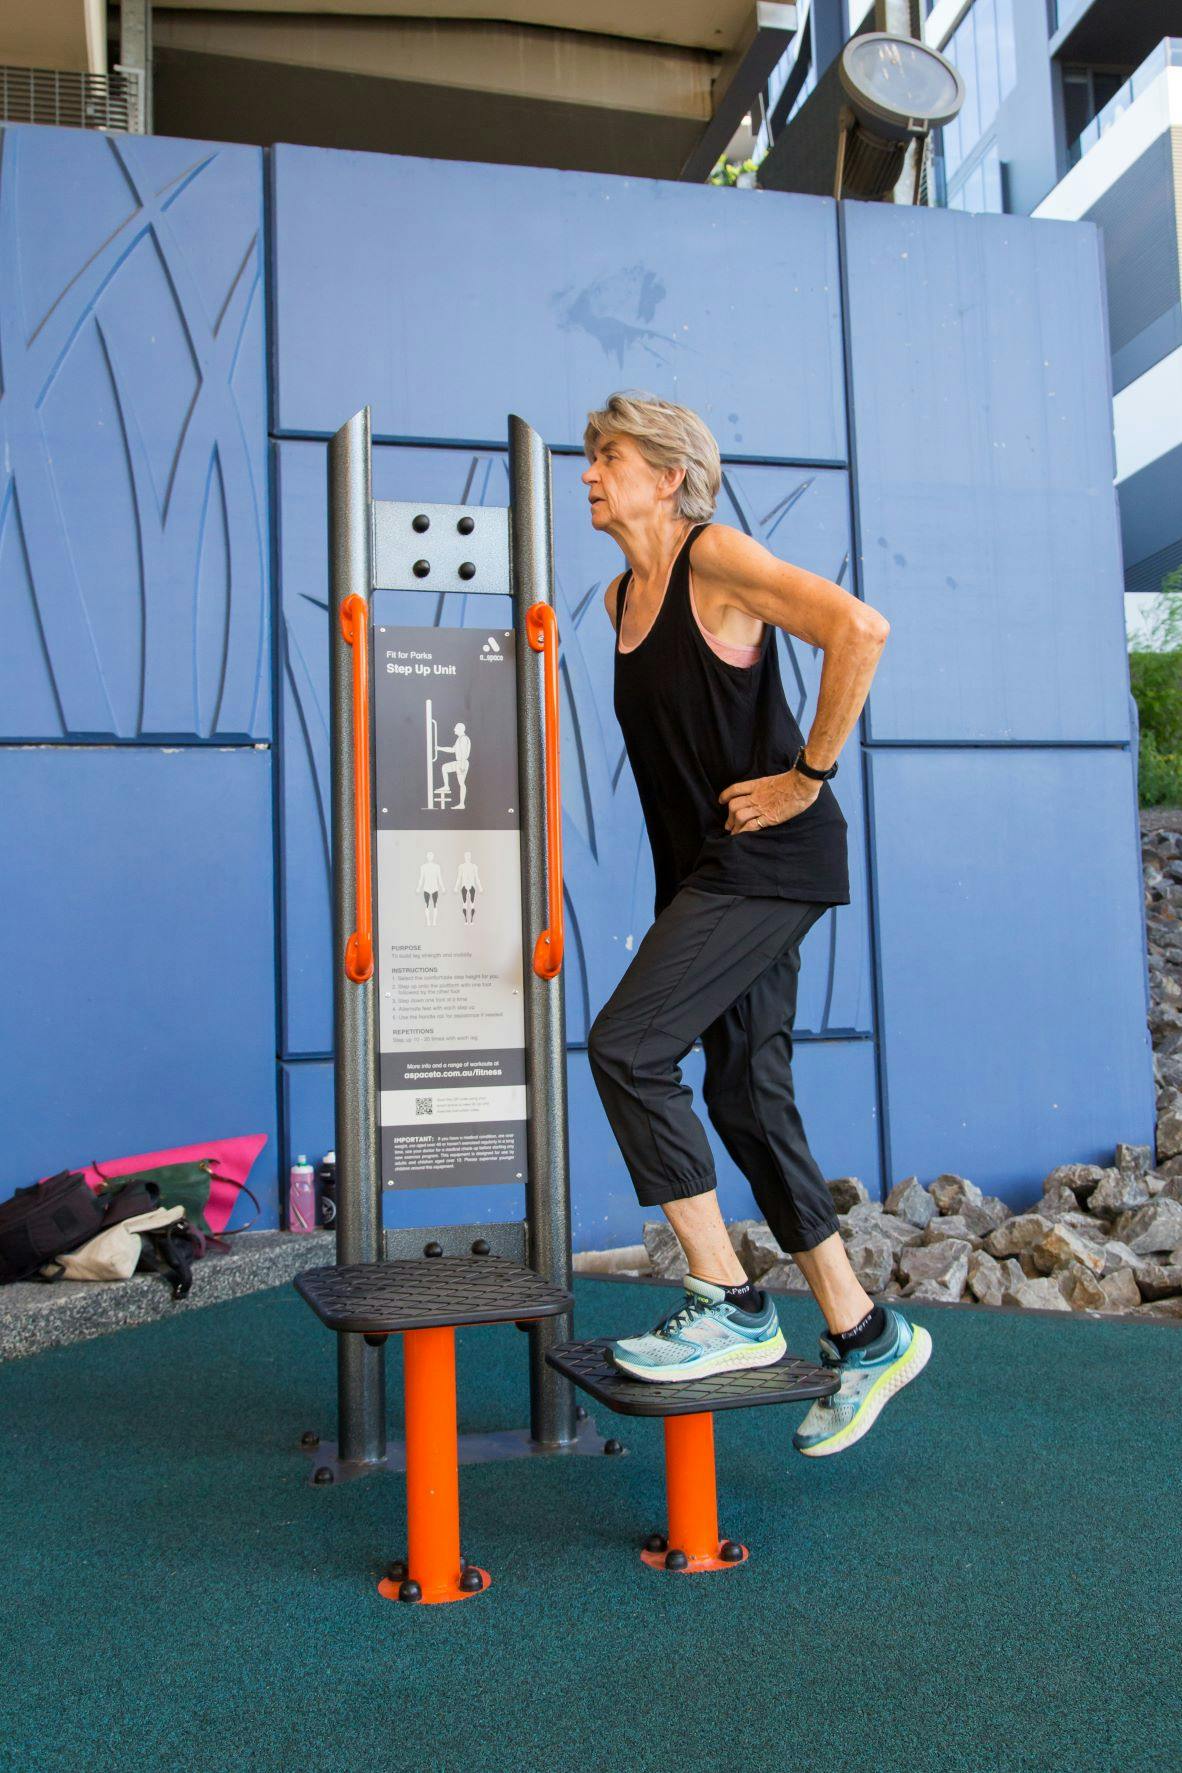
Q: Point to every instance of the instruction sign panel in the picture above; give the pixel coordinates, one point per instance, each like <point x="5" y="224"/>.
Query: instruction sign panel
<point x="451" y="1028"/>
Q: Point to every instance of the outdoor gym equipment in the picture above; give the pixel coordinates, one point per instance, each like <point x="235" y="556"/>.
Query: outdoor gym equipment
<point x="442" y="1036"/>
<point x="691" y="1542"/>
<point x="450" y="1058"/>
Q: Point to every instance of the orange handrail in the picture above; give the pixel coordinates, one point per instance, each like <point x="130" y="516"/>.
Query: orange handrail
<point x="359" y="949"/>
<point x="542" y="633"/>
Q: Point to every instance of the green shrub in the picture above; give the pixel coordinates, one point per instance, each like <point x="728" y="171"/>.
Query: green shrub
<point x="1155" y="678"/>
<point x="1159" y="775"/>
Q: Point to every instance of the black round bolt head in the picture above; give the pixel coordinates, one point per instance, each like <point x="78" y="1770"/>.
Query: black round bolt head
<point x="467" y="569"/>
<point x="410" y="1591"/>
<point x="466" y="525"/>
<point x="376" y="1338"/>
<point x="433" y="1250"/>
<point x="309" y="1438"/>
<point x="613" y="1446"/>
<point x="676" y="1560"/>
<point x="730" y="1552"/>
<point x="471" y="1581"/>
<point x="421" y="568"/>
<point x="323" y="1474"/>
<point x="656" y="1542"/>
<point x="481" y="1247"/>
<point x="396" y="1572"/>
<point x="420" y="523"/>
<point x="580" y="1413"/>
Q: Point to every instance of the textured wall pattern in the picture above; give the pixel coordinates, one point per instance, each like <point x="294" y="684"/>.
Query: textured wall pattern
<point x="133" y="526"/>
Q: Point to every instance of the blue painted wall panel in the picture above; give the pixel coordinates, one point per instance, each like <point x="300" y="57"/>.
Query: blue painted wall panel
<point x="446" y="294"/>
<point x="990" y="534"/>
<point x="1013" y="973"/>
<point x="801" y="514"/>
<point x="137" y="953"/>
<point x="133" y="522"/>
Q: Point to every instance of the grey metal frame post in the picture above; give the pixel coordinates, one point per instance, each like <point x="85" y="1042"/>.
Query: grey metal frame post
<point x="552" y="1405"/>
<point x="361" y="1369"/>
<point x="359" y="550"/>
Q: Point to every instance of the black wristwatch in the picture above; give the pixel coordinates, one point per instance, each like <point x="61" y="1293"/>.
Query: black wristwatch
<point x="806" y="769"/>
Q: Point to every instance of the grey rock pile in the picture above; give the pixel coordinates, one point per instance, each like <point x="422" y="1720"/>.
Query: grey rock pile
<point x="1100" y="1238"/>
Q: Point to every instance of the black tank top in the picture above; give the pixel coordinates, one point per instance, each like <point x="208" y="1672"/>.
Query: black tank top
<point x="693" y="724"/>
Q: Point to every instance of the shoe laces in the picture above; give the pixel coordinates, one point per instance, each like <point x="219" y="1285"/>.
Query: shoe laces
<point x="694" y="1306"/>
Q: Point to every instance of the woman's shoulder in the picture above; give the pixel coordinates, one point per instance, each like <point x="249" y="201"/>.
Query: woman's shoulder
<point x="611" y="596"/>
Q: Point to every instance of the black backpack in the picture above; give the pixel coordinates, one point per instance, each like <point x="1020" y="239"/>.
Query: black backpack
<point x="45" y="1220"/>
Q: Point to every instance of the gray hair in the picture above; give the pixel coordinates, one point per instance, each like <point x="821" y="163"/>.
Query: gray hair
<point x="667" y="436"/>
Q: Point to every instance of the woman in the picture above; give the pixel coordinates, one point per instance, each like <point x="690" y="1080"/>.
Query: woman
<point x="749" y="851"/>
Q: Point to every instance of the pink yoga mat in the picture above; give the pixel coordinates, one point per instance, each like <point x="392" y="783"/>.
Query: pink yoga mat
<point x="231" y="1157"/>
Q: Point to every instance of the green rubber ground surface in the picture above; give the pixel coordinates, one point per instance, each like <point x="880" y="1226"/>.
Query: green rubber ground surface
<point x="988" y="1581"/>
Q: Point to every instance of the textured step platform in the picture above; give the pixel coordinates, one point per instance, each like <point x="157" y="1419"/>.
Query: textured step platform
<point x="791" y="1380"/>
<point x="423" y="1299"/>
<point x="421" y="1293"/>
<point x="692" y="1545"/>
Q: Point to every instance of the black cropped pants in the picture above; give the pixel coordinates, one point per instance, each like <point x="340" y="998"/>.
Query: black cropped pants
<point x="722" y="968"/>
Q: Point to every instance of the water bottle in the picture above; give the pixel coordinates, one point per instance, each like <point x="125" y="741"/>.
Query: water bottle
<point x="301" y="1197"/>
<point x="326" y="1190"/>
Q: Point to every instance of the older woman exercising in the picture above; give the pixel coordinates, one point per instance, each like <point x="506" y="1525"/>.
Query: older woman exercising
<point x="749" y="851"/>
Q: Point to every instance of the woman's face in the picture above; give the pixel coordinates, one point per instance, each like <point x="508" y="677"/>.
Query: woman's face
<point x="621" y="486"/>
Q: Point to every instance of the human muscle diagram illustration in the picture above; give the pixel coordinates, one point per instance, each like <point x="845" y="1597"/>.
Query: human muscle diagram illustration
<point x="468" y="885"/>
<point x="431" y="885"/>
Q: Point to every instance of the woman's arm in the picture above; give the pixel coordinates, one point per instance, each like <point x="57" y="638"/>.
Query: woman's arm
<point x="742" y="572"/>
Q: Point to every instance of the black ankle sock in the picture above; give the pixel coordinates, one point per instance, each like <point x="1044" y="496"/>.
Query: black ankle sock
<point x="872" y="1325"/>
<point x="748" y="1297"/>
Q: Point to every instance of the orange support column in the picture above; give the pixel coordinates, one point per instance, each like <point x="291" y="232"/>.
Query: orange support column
<point x="693" y="1543"/>
<point x="434" y="1571"/>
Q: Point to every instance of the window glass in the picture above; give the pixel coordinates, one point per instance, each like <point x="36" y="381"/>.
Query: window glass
<point x="1077" y="106"/>
<point x="982" y="50"/>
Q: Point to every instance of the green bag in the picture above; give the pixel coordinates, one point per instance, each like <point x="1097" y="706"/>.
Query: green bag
<point x="185" y="1185"/>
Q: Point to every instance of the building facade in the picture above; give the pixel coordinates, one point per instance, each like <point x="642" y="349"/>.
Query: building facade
<point x="1072" y="112"/>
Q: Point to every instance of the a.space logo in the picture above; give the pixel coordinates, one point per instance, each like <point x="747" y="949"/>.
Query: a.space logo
<point x="490" y="652"/>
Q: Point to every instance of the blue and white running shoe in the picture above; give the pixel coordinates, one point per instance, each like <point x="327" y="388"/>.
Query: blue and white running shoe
<point x="705" y="1335"/>
<point x="870" y="1377"/>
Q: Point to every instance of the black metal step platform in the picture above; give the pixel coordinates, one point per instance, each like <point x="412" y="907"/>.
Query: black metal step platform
<point x="790" y="1380"/>
<point x="372" y="1298"/>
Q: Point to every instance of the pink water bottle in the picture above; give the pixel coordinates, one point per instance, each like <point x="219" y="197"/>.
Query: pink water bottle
<point x="301" y="1197"/>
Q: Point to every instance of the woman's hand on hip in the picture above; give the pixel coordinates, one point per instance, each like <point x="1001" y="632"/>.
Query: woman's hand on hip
<point x="767" y="800"/>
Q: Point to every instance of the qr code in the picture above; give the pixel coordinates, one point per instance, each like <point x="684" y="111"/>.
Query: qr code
<point x="424" y="1105"/>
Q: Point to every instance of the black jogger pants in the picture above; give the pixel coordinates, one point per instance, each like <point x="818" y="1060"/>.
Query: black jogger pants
<point x="722" y="968"/>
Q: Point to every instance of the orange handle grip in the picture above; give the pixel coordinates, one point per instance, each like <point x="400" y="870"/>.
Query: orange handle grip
<point x="359" y="948"/>
<point x="541" y="631"/>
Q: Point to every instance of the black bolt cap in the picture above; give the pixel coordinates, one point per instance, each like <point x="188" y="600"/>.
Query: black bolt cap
<point x="676" y="1560"/>
<point x="309" y="1438"/>
<point x="613" y="1446"/>
<point x="396" y="1572"/>
<point x="730" y="1552"/>
<point x="410" y="1591"/>
<point x="481" y="1247"/>
<point x="421" y="568"/>
<point x="580" y="1413"/>
<point x="471" y="1581"/>
<point x="323" y="1474"/>
<point x="467" y="569"/>
<point x="656" y="1542"/>
<point x="376" y="1338"/>
<point x="420" y="523"/>
<point x="433" y="1250"/>
<point x="466" y="525"/>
